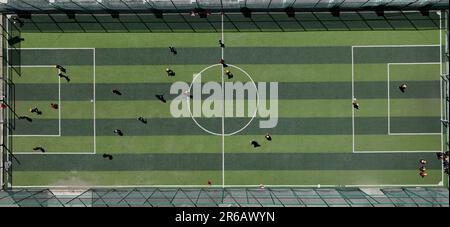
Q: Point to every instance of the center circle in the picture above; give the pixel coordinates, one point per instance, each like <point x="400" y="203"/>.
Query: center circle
<point x="234" y="132"/>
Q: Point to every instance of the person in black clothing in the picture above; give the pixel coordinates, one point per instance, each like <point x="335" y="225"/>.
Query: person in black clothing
<point x="222" y="45"/>
<point x="117" y="92"/>
<point x="161" y="98"/>
<point x="64" y="76"/>
<point x="61" y="68"/>
<point x="254" y="143"/>
<point x="170" y="72"/>
<point x="268" y="137"/>
<point x="229" y="74"/>
<point x="35" y="110"/>
<point x="402" y="88"/>
<point x="142" y="119"/>
<point x="173" y="50"/>
<point x="108" y="156"/>
<point x="118" y="132"/>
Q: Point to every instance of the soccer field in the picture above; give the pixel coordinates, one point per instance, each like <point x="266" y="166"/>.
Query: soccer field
<point x="320" y="139"/>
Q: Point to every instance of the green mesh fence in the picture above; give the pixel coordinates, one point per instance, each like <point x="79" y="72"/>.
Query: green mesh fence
<point x="227" y="197"/>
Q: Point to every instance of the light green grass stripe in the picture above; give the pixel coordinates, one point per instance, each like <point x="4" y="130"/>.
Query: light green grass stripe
<point x="112" y="178"/>
<point x="398" y="142"/>
<point x="233" y="144"/>
<point x="233" y="39"/>
<point x="81" y="144"/>
<point x="301" y="108"/>
<point x="266" y="73"/>
<point x="69" y="109"/>
<point x="335" y="177"/>
<point x="379" y="72"/>
<point x="37" y="75"/>
<point x="399" y="108"/>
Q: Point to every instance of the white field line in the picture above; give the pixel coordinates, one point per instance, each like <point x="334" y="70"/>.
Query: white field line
<point x="52" y="153"/>
<point x="59" y="103"/>
<point x="51" y="48"/>
<point x="376" y="152"/>
<point x="59" y="107"/>
<point x="381" y="46"/>
<point x="353" y="94"/>
<point x="389" y="99"/>
<point x="33" y="66"/>
<point x="414" y="133"/>
<point x="223" y="111"/>
<point x="94" y="99"/>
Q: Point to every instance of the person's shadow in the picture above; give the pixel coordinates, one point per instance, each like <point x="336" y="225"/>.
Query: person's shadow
<point x="15" y="40"/>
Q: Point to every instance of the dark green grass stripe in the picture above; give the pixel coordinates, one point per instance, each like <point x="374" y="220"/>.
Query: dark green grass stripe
<point x="300" y="90"/>
<point x="185" y="126"/>
<point x="281" y="161"/>
<point x="241" y="55"/>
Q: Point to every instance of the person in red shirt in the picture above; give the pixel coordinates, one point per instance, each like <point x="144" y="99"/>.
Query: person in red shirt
<point x="54" y="106"/>
<point x="423" y="174"/>
<point x="209" y="183"/>
<point x="221" y="61"/>
<point x="3" y="106"/>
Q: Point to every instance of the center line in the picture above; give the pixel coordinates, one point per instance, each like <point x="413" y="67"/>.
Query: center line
<point x="223" y="115"/>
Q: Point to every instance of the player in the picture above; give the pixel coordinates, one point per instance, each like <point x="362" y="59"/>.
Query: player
<point x="423" y="174"/>
<point x="161" y="98"/>
<point x="64" y="76"/>
<point x="355" y="104"/>
<point x="142" y="119"/>
<point x="108" y="156"/>
<point x="402" y="88"/>
<point x="170" y="72"/>
<point x="221" y="61"/>
<point x="35" y="110"/>
<point x="117" y="92"/>
<point x="268" y="137"/>
<point x="209" y="183"/>
<point x="118" y="132"/>
<point x="254" y="143"/>
<point x="188" y="93"/>
<point x="229" y="74"/>
<point x="423" y="161"/>
<point x="173" y="50"/>
<point x="222" y="45"/>
<point x="62" y="69"/>
<point x="54" y="106"/>
<point x="3" y="106"/>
